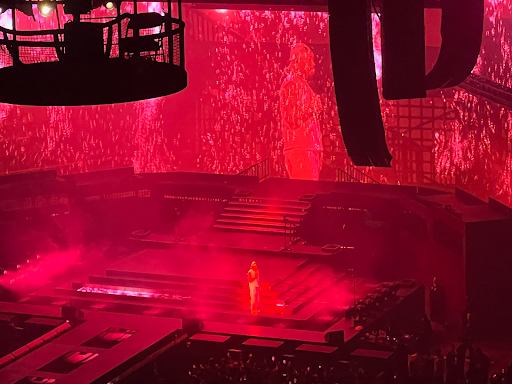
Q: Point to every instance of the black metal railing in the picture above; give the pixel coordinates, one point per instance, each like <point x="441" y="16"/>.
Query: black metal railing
<point x="480" y="86"/>
<point x="261" y="170"/>
<point x="342" y="176"/>
<point x="290" y="233"/>
<point x="28" y="47"/>
<point x="353" y="175"/>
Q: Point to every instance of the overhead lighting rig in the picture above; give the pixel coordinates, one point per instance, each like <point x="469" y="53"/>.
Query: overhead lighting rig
<point x="145" y="65"/>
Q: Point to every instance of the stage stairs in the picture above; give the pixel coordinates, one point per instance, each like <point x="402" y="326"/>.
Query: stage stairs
<point x="150" y="290"/>
<point x="261" y="215"/>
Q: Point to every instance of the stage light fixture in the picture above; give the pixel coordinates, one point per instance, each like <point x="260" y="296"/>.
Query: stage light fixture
<point x="45" y="8"/>
<point x="85" y="56"/>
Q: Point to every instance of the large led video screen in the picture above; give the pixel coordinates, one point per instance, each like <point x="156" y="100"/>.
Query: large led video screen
<point x="261" y="87"/>
<point x="249" y="98"/>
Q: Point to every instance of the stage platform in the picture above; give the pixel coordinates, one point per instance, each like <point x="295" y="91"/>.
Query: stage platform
<point x="243" y="243"/>
<point x="170" y="278"/>
<point x="300" y="299"/>
<point x="212" y="286"/>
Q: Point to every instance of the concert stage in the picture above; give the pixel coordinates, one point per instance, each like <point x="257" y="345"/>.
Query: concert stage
<point x="331" y="257"/>
<point x="302" y="301"/>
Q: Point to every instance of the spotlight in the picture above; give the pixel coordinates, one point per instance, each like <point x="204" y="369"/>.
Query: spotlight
<point x="45" y="8"/>
<point x="109" y="5"/>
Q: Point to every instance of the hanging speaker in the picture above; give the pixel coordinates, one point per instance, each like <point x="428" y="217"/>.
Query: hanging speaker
<point x="355" y="82"/>
<point x="461" y="30"/>
<point x="403" y="49"/>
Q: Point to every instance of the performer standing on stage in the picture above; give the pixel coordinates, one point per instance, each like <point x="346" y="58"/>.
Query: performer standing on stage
<point x="254" y="287"/>
<point x="300" y="107"/>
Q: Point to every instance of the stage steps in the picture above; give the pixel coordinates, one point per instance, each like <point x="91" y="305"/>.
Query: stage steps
<point x="301" y="275"/>
<point x="288" y="296"/>
<point x="169" y="285"/>
<point x="256" y="216"/>
<point x="182" y="279"/>
<point x="261" y="215"/>
<point x="209" y="294"/>
<point x="264" y="202"/>
<point x="249" y="229"/>
<point x="306" y="285"/>
<point x="190" y="302"/>
<point x="112" y="303"/>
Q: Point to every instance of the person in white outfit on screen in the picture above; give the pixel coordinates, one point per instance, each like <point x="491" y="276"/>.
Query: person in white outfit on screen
<point x="254" y="287"/>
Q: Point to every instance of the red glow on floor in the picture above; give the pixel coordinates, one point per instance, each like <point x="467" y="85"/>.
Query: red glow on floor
<point x="125" y="292"/>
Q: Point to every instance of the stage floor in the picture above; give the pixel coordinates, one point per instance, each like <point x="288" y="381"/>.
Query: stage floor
<point x="298" y="294"/>
<point x="209" y="263"/>
<point x="248" y="243"/>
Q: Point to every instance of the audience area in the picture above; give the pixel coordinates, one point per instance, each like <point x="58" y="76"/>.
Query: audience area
<point x="461" y="364"/>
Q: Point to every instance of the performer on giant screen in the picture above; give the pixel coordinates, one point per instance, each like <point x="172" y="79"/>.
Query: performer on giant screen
<point x="300" y="107"/>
